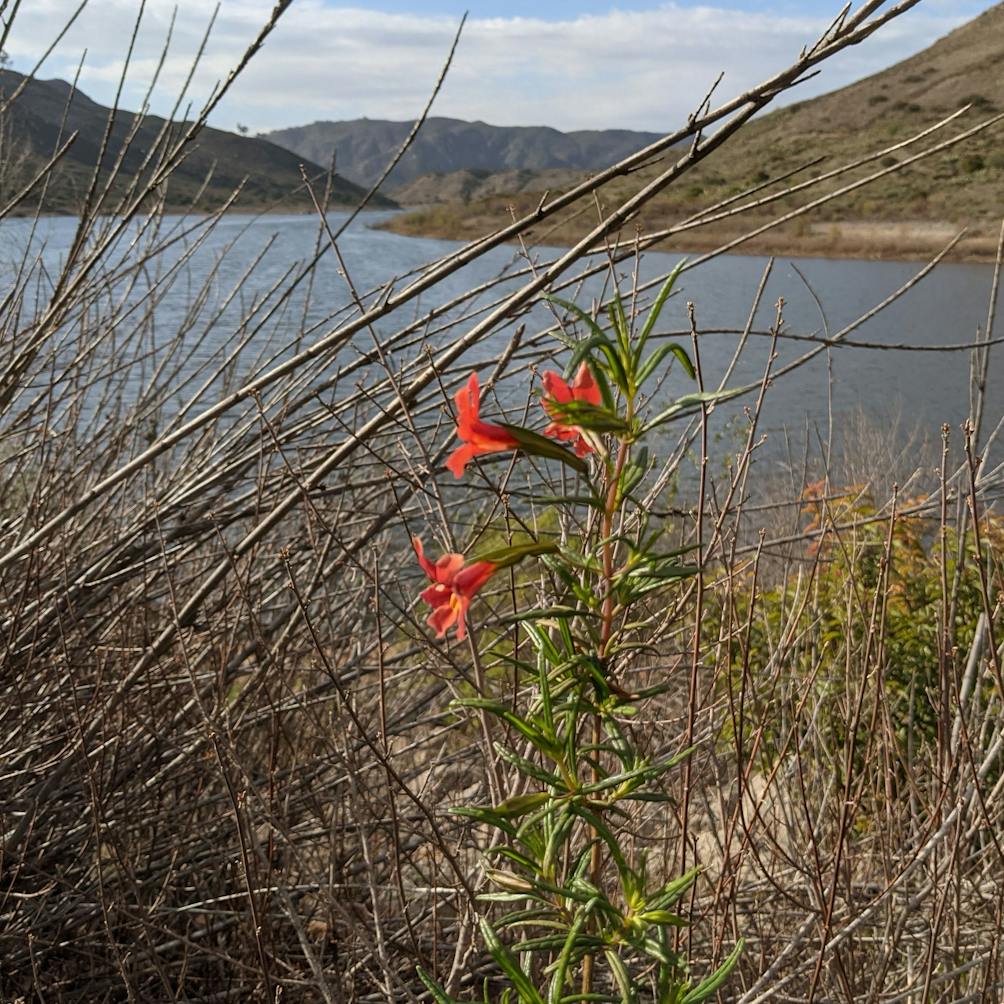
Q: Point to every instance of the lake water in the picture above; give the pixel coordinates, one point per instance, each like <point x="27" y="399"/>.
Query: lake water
<point x="918" y="389"/>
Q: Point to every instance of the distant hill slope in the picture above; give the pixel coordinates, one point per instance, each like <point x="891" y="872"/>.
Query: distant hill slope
<point x="466" y="186"/>
<point x="47" y="112"/>
<point x="364" y="147"/>
<point x="964" y="185"/>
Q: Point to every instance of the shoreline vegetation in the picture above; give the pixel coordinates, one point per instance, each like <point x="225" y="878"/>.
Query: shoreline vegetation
<point x="880" y="240"/>
<point x="860" y="240"/>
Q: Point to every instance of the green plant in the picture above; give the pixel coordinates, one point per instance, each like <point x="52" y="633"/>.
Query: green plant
<point x="584" y="917"/>
<point x="876" y="584"/>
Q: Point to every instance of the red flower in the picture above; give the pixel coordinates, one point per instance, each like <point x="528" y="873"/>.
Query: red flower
<point x="453" y="587"/>
<point x="558" y="393"/>
<point x="478" y="437"/>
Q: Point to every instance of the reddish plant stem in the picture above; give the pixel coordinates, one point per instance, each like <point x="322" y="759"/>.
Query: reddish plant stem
<point x="606" y="633"/>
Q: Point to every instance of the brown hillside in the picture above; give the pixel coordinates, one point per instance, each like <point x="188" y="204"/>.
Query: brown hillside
<point x="47" y="112"/>
<point x="963" y="186"/>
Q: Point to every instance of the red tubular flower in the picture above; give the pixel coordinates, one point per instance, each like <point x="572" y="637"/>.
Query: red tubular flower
<point x="557" y="393"/>
<point x="453" y="587"/>
<point x="478" y="437"/>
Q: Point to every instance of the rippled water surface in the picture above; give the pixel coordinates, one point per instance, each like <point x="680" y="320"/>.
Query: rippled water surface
<point x="917" y="389"/>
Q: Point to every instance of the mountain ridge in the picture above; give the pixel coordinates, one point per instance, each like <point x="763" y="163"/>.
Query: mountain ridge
<point x="363" y="147"/>
<point x="47" y="112"/>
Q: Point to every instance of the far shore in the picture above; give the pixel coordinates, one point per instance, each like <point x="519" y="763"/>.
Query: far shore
<point x="881" y="240"/>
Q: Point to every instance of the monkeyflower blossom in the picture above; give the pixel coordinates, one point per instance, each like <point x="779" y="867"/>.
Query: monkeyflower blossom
<point x="557" y="393"/>
<point x="454" y="584"/>
<point x="477" y="437"/>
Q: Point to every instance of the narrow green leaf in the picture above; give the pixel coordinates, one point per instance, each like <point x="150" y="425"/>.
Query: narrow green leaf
<point x="541" y="640"/>
<point x="621" y="977"/>
<point x="556" y="838"/>
<point x="673" y="890"/>
<point x="617" y="370"/>
<point x="561" y="968"/>
<point x="691" y="401"/>
<point x="540" y="446"/>
<point x="503" y="557"/>
<point x="540" y="613"/>
<point x="601" y="380"/>
<point x="509" y="897"/>
<point x="439" y="995"/>
<point x="589" y="500"/>
<point x="618" y="321"/>
<point x="654" y="949"/>
<point x="663" y="918"/>
<point x="537" y="916"/>
<point x="657" y="357"/>
<point x="574" y="308"/>
<point x="589" y="416"/>
<point x="657" y="305"/>
<point x="520" y="805"/>
<point x="511" y="854"/>
<point x="528" y="993"/>
<point x="607" y="836"/>
<point x="711" y="983"/>
<point x="528" y="767"/>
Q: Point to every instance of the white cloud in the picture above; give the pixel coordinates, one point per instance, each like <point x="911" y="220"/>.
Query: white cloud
<point x="640" y="70"/>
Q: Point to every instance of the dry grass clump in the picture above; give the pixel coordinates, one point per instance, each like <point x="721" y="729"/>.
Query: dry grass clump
<point x="226" y="765"/>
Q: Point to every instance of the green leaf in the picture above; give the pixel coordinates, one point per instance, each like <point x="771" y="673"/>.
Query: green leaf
<point x="556" y="838"/>
<point x="691" y="401"/>
<point x="711" y="983"/>
<point x="621" y="977"/>
<point x="589" y="500"/>
<point x="508" y="897"/>
<point x="620" y="325"/>
<point x="540" y="446"/>
<point x="439" y="995"/>
<point x="598" y="340"/>
<point x="673" y="890"/>
<point x="589" y="416"/>
<point x="657" y="305"/>
<point x="541" y="613"/>
<point x="632" y="474"/>
<point x="509" y="881"/>
<point x="662" y="568"/>
<point x="488" y="816"/>
<point x="511" y="854"/>
<point x="528" y="767"/>
<point x="503" y="557"/>
<point x="538" y="916"/>
<point x="547" y="743"/>
<point x="601" y="381"/>
<point x="541" y="640"/>
<point x="520" y="805"/>
<point x="574" y="308"/>
<point x="528" y="993"/>
<point x="628" y="877"/>
<point x="648" y="796"/>
<point x="616" y="366"/>
<point x="631" y="778"/>
<point x="561" y="968"/>
<point x="581" y="353"/>
<point x="657" y="950"/>
<point x="663" y="918"/>
<point x="657" y="357"/>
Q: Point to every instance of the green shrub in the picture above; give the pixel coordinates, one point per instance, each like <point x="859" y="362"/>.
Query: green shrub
<point x="869" y="618"/>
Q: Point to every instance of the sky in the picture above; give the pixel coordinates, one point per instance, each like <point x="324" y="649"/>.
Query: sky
<point x="571" y="64"/>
